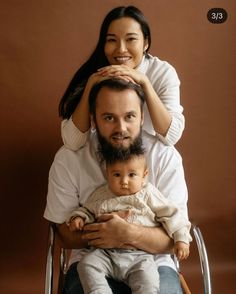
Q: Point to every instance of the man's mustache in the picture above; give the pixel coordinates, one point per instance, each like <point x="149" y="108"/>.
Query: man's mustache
<point x="121" y="135"/>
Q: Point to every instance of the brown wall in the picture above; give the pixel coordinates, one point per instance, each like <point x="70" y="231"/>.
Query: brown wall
<point x="42" y="44"/>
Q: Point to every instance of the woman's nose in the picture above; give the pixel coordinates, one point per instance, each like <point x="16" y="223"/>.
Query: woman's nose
<point x="122" y="47"/>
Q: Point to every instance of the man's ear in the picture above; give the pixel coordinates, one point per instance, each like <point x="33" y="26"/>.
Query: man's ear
<point x="142" y="118"/>
<point x="93" y="125"/>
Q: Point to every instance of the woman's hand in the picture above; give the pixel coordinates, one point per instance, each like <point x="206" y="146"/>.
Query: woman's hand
<point x="120" y="71"/>
<point x="97" y="77"/>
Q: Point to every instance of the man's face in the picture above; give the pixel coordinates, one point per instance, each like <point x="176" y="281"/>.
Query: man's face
<point x="118" y="116"/>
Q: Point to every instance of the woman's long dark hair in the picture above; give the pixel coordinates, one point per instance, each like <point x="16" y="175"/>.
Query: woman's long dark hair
<point x="74" y="91"/>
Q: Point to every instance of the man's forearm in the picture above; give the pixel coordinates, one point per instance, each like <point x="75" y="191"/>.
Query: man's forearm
<point x="114" y="232"/>
<point x="151" y="239"/>
<point x="68" y="239"/>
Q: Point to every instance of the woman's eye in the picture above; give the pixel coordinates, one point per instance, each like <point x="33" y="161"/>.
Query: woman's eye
<point x="132" y="39"/>
<point x="110" y="40"/>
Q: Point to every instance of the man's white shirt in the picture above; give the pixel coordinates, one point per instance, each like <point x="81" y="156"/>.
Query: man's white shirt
<point x="74" y="175"/>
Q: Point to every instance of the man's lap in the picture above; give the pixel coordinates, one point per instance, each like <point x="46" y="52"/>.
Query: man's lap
<point x="169" y="282"/>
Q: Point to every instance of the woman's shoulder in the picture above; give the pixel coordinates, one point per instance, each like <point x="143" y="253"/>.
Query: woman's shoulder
<point x="154" y="63"/>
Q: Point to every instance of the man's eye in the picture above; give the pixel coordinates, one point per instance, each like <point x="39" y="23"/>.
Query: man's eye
<point x="130" y="116"/>
<point x="108" y="118"/>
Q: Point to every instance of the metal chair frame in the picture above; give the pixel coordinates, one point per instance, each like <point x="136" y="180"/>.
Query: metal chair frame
<point x="205" y="269"/>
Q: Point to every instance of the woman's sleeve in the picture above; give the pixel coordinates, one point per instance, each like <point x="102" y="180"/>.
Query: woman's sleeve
<point x="167" y="86"/>
<point x="72" y="137"/>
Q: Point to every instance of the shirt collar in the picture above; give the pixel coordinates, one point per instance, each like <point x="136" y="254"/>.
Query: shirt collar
<point x="143" y="66"/>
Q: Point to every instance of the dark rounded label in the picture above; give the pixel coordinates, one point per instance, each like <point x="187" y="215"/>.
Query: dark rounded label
<point x="217" y="15"/>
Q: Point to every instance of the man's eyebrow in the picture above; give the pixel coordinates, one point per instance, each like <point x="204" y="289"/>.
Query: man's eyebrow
<point x="107" y="113"/>
<point x="127" y="113"/>
<point x="131" y="112"/>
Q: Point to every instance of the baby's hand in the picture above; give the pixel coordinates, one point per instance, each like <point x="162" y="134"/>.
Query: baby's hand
<point x="125" y="214"/>
<point x="181" y="250"/>
<point x="76" y="224"/>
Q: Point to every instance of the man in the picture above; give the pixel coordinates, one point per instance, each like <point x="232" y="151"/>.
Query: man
<point x="116" y="113"/>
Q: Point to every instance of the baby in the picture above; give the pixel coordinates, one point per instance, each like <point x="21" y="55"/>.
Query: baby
<point x="127" y="191"/>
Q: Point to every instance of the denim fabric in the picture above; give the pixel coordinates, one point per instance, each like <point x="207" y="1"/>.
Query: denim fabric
<point x="169" y="282"/>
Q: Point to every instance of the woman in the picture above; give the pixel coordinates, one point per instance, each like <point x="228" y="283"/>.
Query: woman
<point x="122" y="52"/>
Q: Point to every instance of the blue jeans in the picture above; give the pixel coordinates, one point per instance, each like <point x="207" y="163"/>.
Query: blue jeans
<point x="169" y="282"/>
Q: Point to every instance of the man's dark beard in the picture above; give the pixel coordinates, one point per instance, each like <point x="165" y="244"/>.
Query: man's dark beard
<point x="111" y="154"/>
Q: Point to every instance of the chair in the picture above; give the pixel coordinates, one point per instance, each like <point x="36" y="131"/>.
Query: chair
<point x="63" y="263"/>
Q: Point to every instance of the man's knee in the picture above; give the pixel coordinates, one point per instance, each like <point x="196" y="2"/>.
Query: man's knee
<point x="169" y="281"/>
<point x="72" y="283"/>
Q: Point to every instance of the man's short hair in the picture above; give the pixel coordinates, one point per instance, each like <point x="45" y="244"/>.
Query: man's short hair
<point x="114" y="84"/>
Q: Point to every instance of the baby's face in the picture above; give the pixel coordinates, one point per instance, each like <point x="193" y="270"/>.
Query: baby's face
<point x="126" y="178"/>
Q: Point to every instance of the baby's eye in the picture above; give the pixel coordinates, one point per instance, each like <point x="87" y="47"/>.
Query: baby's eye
<point x="116" y="175"/>
<point x="132" y="175"/>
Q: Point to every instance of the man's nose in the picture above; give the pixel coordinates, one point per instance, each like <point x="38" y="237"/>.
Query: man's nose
<point x="121" y="125"/>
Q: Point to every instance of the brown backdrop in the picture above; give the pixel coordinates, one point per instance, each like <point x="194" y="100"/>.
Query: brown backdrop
<point x="42" y="44"/>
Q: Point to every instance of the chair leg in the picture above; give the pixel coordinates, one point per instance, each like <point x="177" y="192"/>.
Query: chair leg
<point x="184" y="285"/>
<point x="62" y="272"/>
<point x="203" y="259"/>
<point x="49" y="264"/>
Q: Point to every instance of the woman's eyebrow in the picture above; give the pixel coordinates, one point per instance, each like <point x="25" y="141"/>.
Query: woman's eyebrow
<point x="128" y="34"/>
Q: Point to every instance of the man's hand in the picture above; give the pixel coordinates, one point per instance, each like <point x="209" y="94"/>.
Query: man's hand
<point x="111" y="231"/>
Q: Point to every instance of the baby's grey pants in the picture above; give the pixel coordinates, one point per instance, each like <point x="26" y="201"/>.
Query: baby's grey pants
<point x="136" y="268"/>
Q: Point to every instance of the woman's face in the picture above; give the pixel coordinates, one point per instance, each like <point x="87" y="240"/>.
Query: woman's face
<point x="125" y="42"/>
